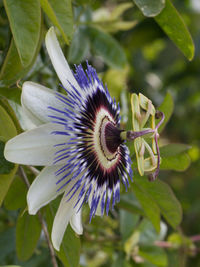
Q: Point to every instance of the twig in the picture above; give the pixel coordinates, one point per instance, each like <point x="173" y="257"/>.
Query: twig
<point x="42" y="221"/>
<point x="195" y="238"/>
<point x="33" y="170"/>
<point x="46" y="233"/>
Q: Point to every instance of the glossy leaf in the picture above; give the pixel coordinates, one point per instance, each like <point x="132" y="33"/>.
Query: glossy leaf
<point x="7" y="127"/>
<point x="5" y="182"/>
<point x="7" y="245"/>
<point x="154" y="255"/>
<point x="13" y="94"/>
<point x="149" y="205"/>
<point x="167" y="108"/>
<point x="160" y="193"/>
<point x="173" y="149"/>
<point x="7" y="131"/>
<point x="179" y="162"/>
<point x="60" y="13"/>
<point x="12" y="69"/>
<point x="128" y="223"/>
<point x="25" y="21"/>
<point x="28" y="231"/>
<point x="150" y="8"/>
<point x="78" y="51"/>
<point x="148" y="234"/>
<point x="173" y="25"/>
<point x="131" y="207"/>
<point x="5" y="166"/>
<point x="7" y="107"/>
<point x="16" y="196"/>
<point x="107" y="47"/>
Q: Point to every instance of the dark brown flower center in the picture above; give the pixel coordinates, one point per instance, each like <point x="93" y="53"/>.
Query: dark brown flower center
<point x="112" y="137"/>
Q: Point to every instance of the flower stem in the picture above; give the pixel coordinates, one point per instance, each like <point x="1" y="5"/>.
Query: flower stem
<point x="42" y="221"/>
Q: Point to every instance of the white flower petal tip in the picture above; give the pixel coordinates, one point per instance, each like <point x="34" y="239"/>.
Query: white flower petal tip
<point x="58" y="61"/>
<point x="64" y="215"/>
<point x="76" y="223"/>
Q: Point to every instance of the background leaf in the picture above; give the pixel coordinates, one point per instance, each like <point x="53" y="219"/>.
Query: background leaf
<point x="173" y="149"/>
<point x="27" y="234"/>
<point x="179" y="162"/>
<point x="107" y="47"/>
<point x="150" y="8"/>
<point x="60" y="13"/>
<point x="78" y="51"/>
<point x="173" y="25"/>
<point x="167" y="108"/>
<point x="150" y="206"/>
<point x="16" y="196"/>
<point x="12" y="69"/>
<point x="5" y="166"/>
<point x="160" y="193"/>
<point x="25" y="21"/>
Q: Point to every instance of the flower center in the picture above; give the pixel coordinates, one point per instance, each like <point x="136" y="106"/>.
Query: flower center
<point x="106" y="139"/>
<point x="112" y="137"/>
<point x="109" y="138"/>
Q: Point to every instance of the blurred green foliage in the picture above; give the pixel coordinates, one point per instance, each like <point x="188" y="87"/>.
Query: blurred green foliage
<point x="136" y="46"/>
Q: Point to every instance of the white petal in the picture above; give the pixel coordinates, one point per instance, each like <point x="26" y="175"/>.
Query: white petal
<point x="76" y="222"/>
<point x="35" y="101"/>
<point x="43" y="189"/>
<point x="58" y="60"/>
<point x="67" y="213"/>
<point x="35" y="147"/>
<point x="64" y="213"/>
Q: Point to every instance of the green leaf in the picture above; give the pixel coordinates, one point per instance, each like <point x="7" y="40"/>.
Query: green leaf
<point x="7" y="131"/>
<point x="7" y="127"/>
<point x="167" y="108"/>
<point x="179" y="162"/>
<point x="16" y="196"/>
<point x="173" y="25"/>
<point x="149" y="205"/>
<point x="28" y="231"/>
<point x="13" y="94"/>
<point x="7" y="246"/>
<point x="12" y="69"/>
<point x="148" y="234"/>
<point x="78" y="51"/>
<point x="107" y="47"/>
<point x="25" y="21"/>
<point x="60" y="13"/>
<point x="164" y="198"/>
<point x="69" y="252"/>
<point x="5" y="104"/>
<point x="150" y="8"/>
<point x="5" y="182"/>
<point x="173" y="149"/>
<point x="154" y="255"/>
<point x="126" y="203"/>
<point x="128" y="223"/>
<point x="5" y="166"/>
